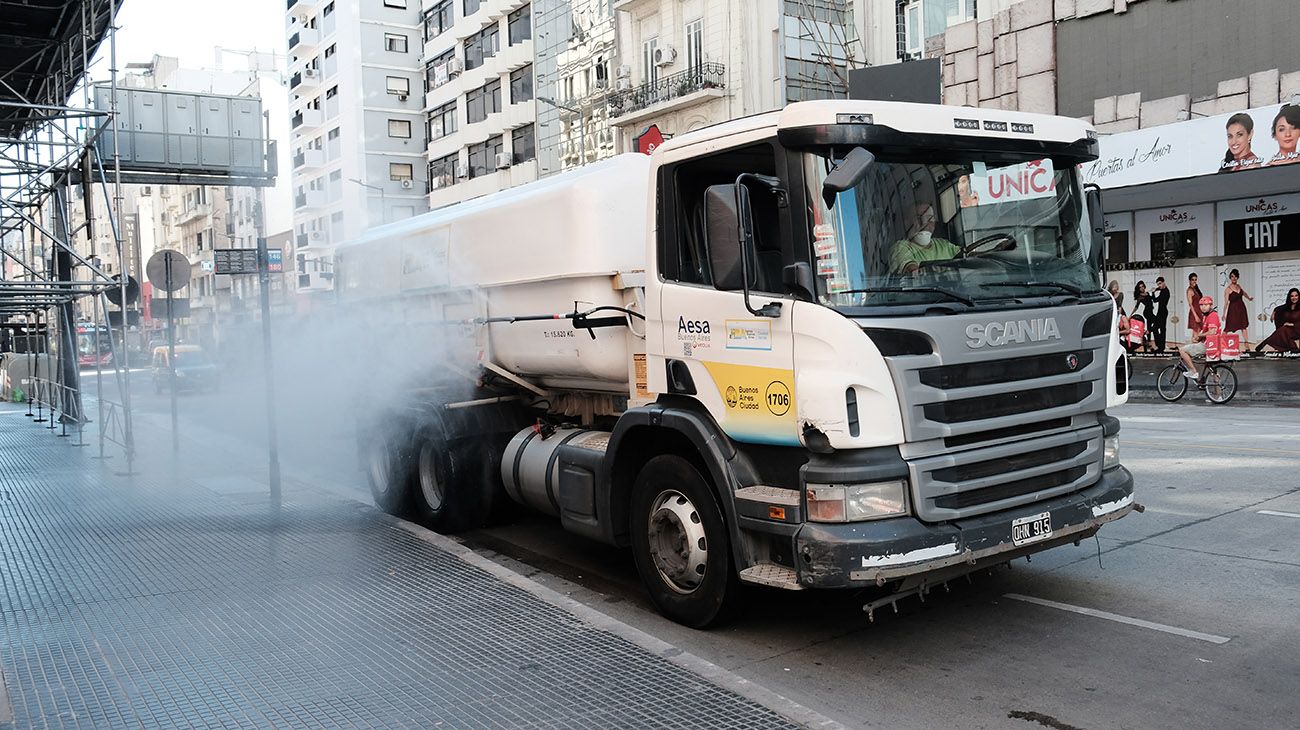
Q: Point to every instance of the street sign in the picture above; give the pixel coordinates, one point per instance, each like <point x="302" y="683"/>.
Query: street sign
<point x="177" y="308"/>
<point x="168" y="270"/>
<point x="235" y="261"/>
<point x="132" y="291"/>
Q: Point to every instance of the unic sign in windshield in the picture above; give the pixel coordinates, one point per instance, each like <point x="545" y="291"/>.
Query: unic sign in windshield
<point x="1228" y="143"/>
<point x="1009" y="184"/>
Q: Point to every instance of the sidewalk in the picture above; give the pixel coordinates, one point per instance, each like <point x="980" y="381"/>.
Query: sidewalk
<point x="172" y="599"/>
<point x="1270" y="380"/>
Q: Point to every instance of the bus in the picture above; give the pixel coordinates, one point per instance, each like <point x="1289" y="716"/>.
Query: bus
<point x="94" y="345"/>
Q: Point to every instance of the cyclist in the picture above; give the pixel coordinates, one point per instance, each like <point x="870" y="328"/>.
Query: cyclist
<point x="1210" y="327"/>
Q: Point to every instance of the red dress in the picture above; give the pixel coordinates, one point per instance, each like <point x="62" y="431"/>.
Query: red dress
<point x="1284" y="338"/>
<point x="1238" y="319"/>
<point x="1194" y="315"/>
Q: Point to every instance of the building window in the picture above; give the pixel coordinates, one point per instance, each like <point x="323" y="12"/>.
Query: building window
<point x="650" y="72"/>
<point x="331" y="92"/>
<point x="442" y="121"/>
<point x="395" y="43"/>
<point x="481" y="102"/>
<point x="435" y="71"/>
<point x="399" y="128"/>
<point x="329" y="10"/>
<point x="398" y="171"/>
<point x="482" y="45"/>
<point x="521" y="85"/>
<point x="1174" y="244"/>
<point x="438" y="20"/>
<point x="520" y="25"/>
<point x="472" y="6"/>
<point x="333" y="133"/>
<point x="442" y="171"/>
<point x="925" y="18"/>
<point x="483" y="157"/>
<point x="329" y="52"/>
<point x="694" y="44"/>
<point x="400" y="4"/>
<point x="399" y="85"/>
<point x="523" y="144"/>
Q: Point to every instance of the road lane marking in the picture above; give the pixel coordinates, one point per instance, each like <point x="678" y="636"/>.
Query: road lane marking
<point x="1183" y="446"/>
<point x="1121" y="619"/>
<point x="1278" y="514"/>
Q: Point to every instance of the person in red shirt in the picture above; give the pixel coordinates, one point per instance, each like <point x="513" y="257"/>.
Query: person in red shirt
<point x="1210" y="326"/>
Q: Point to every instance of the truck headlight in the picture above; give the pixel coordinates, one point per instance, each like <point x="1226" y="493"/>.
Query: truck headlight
<point x="1110" y="452"/>
<point x="856" y="502"/>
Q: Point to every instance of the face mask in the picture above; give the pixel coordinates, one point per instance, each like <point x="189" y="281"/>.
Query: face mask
<point x="923" y="237"/>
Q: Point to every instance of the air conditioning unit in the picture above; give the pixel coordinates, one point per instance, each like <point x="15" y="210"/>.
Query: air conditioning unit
<point x="408" y="184"/>
<point x="624" y="85"/>
<point x="665" y="55"/>
<point x="455" y="66"/>
<point x="503" y="160"/>
<point x="311" y="73"/>
<point x="462" y="170"/>
<point x="317" y="236"/>
<point x="624" y="72"/>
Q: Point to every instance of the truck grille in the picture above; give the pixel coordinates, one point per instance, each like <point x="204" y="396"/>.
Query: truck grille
<point x="947" y="377"/>
<point x="962" y="484"/>
<point x="1007" y="404"/>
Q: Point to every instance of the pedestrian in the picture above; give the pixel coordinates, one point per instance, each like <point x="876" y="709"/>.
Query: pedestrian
<point x="1238" y="319"/>
<point x="1194" y="316"/>
<point x="1160" y="314"/>
<point x="1286" y="318"/>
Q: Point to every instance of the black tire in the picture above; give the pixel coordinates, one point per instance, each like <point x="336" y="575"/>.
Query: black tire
<point x="1171" y="384"/>
<point x="1220" y="383"/>
<point x="387" y="463"/>
<point x="450" y="485"/>
<point x="681" y="545"/>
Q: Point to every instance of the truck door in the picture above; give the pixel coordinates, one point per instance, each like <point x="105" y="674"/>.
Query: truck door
<point x="738" y="365"/>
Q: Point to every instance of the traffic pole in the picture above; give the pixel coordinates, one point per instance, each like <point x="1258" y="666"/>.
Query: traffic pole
<point x="268" y="369"/>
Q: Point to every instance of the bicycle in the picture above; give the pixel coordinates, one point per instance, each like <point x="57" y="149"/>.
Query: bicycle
<point x="1218" y="380"/>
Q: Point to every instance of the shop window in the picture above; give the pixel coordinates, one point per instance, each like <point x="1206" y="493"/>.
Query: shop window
<point x="1174" y="245"/>
<point x="1117" y="247"/>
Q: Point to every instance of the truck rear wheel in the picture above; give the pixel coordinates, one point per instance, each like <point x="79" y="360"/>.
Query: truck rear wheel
<point x="680" y="544"/>
<point x="388" y="473"/>
<point x="449" y="485"/>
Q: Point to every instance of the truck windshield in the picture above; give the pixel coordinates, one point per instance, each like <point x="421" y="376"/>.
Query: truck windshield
<point x="986" y="233"/>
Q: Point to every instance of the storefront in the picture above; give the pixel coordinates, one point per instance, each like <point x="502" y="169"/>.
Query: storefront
<point x="1208" y="197"/>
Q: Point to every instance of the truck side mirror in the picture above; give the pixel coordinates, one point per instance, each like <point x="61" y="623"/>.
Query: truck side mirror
<point x="1097" y="221"/>
<point x="722" y="212"/>
<point x="851" y="170"/>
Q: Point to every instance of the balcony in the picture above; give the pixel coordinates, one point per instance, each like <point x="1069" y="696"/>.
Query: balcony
<point x="311" y="238"/>
<point x="309" y="199"/>
<point x="304" y="80"/>
<point x="676" y="91"/>
<point x="309" y="158"/>
<point x="304" y="41"/>
<point x="631" y="5"/>
<point x="190" y="214"/>
<point x="307" y="120"/>
<point x="302" y="8"/>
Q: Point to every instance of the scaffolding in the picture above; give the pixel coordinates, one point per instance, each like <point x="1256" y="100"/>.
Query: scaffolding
<point x="47" y="146"/>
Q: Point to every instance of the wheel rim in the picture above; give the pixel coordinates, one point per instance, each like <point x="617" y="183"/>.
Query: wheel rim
<point x="1220" y="384"/>
<point x="1171" y="383"/>
<point x="678" y="545"/>
<point x="431" y="485"/>
<point x="381" y="467"/>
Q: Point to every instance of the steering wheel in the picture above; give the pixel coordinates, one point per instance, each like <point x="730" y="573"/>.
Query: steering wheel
<point x="1008" y="242"/>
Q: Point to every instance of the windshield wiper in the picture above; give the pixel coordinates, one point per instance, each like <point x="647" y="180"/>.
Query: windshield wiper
<point x="1070" y="288"/>
<point x="954" y="296"/>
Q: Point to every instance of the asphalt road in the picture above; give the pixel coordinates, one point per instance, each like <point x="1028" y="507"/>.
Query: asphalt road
<point x="1182" y="617"/>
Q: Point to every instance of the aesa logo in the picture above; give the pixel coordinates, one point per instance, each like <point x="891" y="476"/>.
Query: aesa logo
<point x="692" y="326"/>
<point x="1014" y="332"/>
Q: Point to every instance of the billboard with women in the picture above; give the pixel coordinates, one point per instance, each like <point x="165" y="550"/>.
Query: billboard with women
<point x="1227" y="143"/>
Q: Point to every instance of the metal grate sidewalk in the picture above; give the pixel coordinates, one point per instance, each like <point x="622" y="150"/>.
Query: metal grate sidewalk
<point x="157" y="602"/>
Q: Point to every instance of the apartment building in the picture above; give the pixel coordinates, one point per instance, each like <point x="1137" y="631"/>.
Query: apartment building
<point x="358" y="130"/>
<point x="577" y="59"/>
<point x="479" y="101"/>
<point x="686" y="64"/>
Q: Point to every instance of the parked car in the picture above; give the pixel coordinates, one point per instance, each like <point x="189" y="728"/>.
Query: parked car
<point x="194" y="370"/>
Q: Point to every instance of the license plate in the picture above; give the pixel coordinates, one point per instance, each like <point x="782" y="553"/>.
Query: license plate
<point x="1031" y="529"/>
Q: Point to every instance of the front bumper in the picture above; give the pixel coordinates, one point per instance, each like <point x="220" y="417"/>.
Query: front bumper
<point x="872" y="553"/>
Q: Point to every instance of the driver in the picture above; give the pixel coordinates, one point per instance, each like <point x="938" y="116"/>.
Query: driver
<point x="920" y="246"/>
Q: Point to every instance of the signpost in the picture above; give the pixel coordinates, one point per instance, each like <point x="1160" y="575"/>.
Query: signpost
<point x="263" y="262"/>
<point x="169" y="271"/>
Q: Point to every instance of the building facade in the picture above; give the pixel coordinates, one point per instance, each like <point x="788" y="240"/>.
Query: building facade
<point x="358" y="131"/>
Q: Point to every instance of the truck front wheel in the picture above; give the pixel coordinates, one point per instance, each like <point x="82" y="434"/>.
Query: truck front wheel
<point x="679" y="542"/>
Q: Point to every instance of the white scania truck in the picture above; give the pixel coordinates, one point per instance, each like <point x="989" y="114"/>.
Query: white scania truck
<point x="841" y="345"/>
